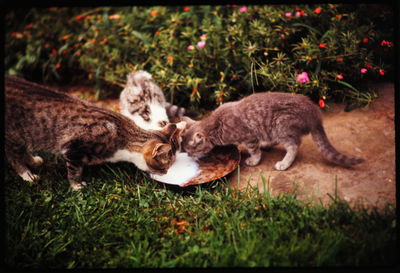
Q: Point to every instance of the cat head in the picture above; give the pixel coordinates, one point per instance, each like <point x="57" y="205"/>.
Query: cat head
<point x="138" y="78"/>
<point x="194" y="140"/>
<point x="143" y="101"/>
<point x="160" y="153"/>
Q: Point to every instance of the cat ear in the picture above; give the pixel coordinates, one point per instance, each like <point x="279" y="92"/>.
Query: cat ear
<point x="181" y="125"/>
<point x="189" y="121"/>
<point x="199" y="137"/>
<point x="169" y="129"/>
<point x="160" y="148"/>
<point x="181" y="128"/>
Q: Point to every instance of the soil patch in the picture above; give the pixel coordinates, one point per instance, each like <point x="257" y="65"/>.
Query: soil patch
<point x="366" y="132"/>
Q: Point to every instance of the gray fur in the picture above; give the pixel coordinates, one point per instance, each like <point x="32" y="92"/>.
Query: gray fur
<point x="263" y="120"/>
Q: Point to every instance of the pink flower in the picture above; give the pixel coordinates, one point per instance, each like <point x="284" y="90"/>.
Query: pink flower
<point x="288" y="14"/>
<point x="250" y="48"/>
<point x="243" y="9"/>
<point x="300" y="13"/>
<point x="340" y="77"/>
<point x="201" y="44"/>
<point x="203" y="37"/>
<point x="191" y="47"/>
<point x="363" y="70"/>
<point x="303" y="77"/>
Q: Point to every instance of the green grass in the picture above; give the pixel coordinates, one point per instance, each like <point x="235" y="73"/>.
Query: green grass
<point x="124" y="220"/>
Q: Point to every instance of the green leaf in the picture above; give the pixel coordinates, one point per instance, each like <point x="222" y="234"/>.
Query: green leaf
<point x="140" y="36"/>
<point x="318" y="68"/>
<point x="348" y="85"/>
<point x="306" y="26"/>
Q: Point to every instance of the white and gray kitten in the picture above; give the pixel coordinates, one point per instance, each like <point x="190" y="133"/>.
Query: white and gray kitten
<point x="143" y="101"/>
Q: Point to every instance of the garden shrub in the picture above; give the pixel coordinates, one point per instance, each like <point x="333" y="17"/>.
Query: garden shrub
<point x="206" y="55"/>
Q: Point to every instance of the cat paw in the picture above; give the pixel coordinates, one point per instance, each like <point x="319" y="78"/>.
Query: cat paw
<point x="281" y="165"/>
<point x="29" y="177"/>
<point x="252" y="161"/>
<point x="78" y="186"/>
<point x="37" y="161"/>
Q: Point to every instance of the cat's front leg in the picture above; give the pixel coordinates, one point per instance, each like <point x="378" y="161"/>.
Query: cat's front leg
<point x="74" y="153"/>
<point x="253" y="147"/>
<point x="75" y="170"/>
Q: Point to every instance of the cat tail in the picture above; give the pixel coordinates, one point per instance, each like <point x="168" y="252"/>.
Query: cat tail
<point x="174" y="110"/>
<point x="329" y="152"/>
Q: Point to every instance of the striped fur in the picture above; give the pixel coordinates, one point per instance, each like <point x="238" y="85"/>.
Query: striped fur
<point x="329" y="152"/>
<point x="39" y="118"/>
<point x="262" y="120"/>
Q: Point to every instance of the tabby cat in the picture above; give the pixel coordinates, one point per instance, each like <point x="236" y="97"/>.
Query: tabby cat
<point x="39" y="118"/>
<point x="263" y="120"/>
<point x="143" y="101"/>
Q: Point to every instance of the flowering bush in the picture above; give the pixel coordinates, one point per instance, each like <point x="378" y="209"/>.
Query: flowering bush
<point x="205" y="55"/>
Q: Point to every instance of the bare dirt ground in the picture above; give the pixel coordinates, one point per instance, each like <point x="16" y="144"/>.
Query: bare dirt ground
<point x="366" y="132"/>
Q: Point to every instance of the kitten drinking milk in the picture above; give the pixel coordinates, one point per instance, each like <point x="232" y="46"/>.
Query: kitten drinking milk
<point x="263" y="120"/>
<point x="143" y="101"/>
<point x="39" y="118"/>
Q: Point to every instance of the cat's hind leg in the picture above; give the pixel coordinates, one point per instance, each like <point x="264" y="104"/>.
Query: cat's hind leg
<point x="253" y="147"/>
<point x="34" y="161"/>
<point x="19" y="159"/>
<point x="291" y="145"/>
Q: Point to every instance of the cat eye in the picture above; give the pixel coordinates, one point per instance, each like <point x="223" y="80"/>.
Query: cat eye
<point x="162" y="123"/>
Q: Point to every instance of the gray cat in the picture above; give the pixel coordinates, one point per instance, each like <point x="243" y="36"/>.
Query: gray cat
<point x="143" y="101"/>
<point x="39" y="118"/>
<point x="263" y="120"/>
